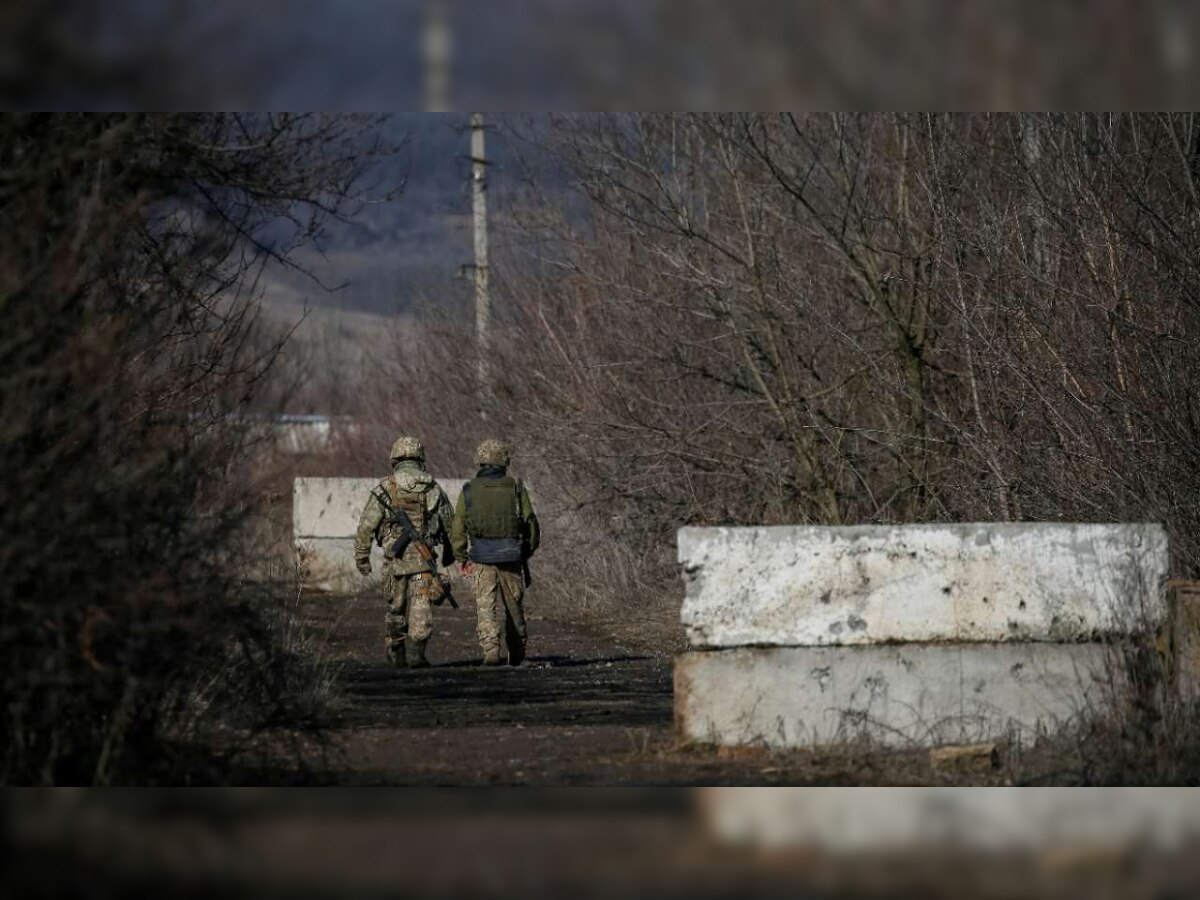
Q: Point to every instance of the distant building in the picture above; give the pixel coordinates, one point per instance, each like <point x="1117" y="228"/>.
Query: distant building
<point x="308" y="434"/>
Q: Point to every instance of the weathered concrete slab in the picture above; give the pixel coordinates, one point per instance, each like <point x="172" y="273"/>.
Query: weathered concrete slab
<point x="1005" y="819"/>
<point x="895" y="695"/>
<point x="325" y="515"/>
<point x="814" y="586"/>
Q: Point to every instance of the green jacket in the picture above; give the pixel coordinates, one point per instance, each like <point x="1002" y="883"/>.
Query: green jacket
<point x="462" y="533"/>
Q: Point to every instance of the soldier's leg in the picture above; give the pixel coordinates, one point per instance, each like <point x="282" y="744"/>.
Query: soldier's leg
<point x="395" y="620"/>
<point x="513" y="591"/>
<point x="488" y="609"/>
<point x="423" y="589"/>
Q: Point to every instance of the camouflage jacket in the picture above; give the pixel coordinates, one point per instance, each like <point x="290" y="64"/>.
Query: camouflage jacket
<point x="413" y="489"/>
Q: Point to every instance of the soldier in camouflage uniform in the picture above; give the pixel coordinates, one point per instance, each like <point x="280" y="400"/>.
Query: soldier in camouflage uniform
<point x="409" y="588"/>
<point x="494" y="533"/>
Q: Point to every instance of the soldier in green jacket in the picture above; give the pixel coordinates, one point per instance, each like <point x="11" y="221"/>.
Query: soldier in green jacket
<point x="494" y="533"/>
<point x="411" y="585"/>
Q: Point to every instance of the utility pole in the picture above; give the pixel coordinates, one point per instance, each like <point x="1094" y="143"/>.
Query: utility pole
<point x="483" y="306"/>
<point x="436" y="49"/>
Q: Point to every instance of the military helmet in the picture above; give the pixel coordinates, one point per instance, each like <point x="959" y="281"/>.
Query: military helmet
<point x="491" y="453"/>
<point x="408" y="448"/>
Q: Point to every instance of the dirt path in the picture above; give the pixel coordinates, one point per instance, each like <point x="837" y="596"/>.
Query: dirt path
<point x="582" y="710"/>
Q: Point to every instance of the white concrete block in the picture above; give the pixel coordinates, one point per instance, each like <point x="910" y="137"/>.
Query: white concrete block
<point x="814" y="586"/>
<point x="895" y="695"/>
<point x="330" y="507"/>
<point x="327" y="564"/>
<point x="325" y="515"/>
<point x="1000" y="820"/>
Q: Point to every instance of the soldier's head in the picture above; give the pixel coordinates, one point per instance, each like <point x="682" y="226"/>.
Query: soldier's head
<point x="408" y="448"/>
<point x="492" y="452"/>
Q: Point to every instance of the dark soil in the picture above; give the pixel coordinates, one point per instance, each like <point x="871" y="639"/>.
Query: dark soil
<point x="577" y="711"/>
<point x="583" y="710"/>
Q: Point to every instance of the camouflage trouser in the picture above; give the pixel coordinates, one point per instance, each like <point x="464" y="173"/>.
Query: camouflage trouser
<point x="409" y="606"/>
<point x="499" y="602"/>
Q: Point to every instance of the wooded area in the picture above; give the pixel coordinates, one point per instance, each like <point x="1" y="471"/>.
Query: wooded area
<point x="131" y="346"/>
<point x="836" y="319"/>
<point x="700" y="320"/>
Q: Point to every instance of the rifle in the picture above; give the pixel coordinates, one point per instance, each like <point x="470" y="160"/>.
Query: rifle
<point x="410" y="536"/>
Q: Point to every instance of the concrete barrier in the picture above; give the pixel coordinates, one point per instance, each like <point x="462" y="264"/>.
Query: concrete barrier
<point x="900" y="695"/>
<point x="325" y="515"/>
<point x="908" y="635"/>
<point x="813" y="586"/>
<point x="941" y="819"/>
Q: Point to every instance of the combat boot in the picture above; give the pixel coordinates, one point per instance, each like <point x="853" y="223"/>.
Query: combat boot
<point x="491" y="657"/>
<point x="516" y="654"/>
<point x="416" y="654"/>
<point x="395" y="654"/>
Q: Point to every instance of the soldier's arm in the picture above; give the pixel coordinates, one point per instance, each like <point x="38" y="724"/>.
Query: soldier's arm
<point x="368" y="523"/>
<point x="533" y="532"/>
<point x="458" y="530"/>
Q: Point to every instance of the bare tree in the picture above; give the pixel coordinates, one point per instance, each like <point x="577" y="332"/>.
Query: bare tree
<point x="132" y="344"/>
<point x="836" y="319"/>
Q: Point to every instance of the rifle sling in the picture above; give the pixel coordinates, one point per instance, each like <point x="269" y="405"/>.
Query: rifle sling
<point x="400" y="517"/>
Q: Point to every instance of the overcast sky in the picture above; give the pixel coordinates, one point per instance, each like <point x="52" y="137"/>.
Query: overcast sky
<point x="394" y="253"/>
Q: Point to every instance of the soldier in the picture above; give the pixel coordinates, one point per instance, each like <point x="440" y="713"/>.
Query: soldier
<point x="409" y="586"/>
<point x="495" y="517"/>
